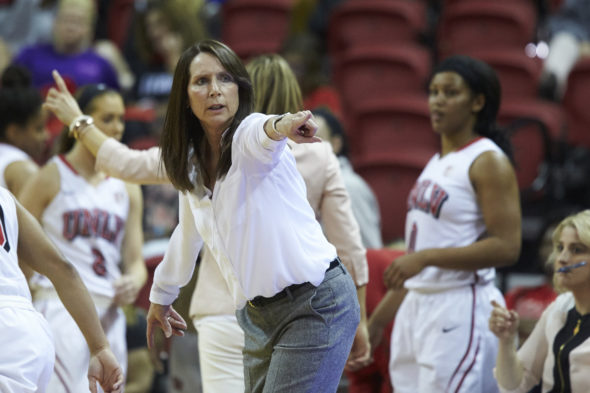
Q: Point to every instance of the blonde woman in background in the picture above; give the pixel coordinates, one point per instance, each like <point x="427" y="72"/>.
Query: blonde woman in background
<point x="557" y="352"/>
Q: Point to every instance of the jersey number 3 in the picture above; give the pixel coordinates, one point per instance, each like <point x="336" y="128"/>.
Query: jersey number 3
<point x="3" y="235"/>
<point x="99" y="265"/>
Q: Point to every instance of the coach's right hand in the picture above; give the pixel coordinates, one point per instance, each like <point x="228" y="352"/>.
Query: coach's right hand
<point x="167" y="319"/>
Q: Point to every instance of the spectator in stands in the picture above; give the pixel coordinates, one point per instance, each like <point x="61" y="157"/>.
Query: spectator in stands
<point x="70" y="50"/>
<point x="569" y="30"/>
<point x="163" y="30"/>
<point x="26" y="22"/>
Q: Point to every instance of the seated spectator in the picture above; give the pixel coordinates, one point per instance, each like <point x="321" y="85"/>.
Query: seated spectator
<point x="569" y="30"/>
<point x="26" y="22"/>
<point x="162" y="31"/>
<point x="70" y="50"/>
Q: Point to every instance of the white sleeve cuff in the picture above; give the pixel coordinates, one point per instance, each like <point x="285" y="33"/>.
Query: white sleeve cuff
<point x="162" y="296"/>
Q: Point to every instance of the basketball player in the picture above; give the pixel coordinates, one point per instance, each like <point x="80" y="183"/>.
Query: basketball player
<point x="22" y="129"/>
<point x="27" y="356"/>
<point x="463" y="220"/>
<point x="95" y="221"/>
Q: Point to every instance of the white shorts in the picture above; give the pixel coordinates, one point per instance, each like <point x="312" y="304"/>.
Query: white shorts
<point x="26" y="360"/>
<point x="221" y="341"/>
<point x="441" y="342"/>
<point x="71" y="351"/>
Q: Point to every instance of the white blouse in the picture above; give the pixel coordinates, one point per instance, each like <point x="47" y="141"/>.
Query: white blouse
<point x="257" y="224"/>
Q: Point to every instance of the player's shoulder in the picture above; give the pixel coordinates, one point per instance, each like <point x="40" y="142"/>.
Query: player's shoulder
<point x="46" y="182"/>
<point x="491" y="164"/>
<point x="47" y="174"/>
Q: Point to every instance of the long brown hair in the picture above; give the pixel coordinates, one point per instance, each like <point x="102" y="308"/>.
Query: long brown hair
<point x="183" y="136"/>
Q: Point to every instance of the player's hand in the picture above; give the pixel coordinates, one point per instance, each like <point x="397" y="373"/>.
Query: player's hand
<point x="503" y="323"/>
<point x="126" y="290"/>
<point x="104" y="369"/>
<point x="402" y="268"/>
<point x="360" y="354"/>
<point x="167" y="319"/>
<point x="61" y="102"/>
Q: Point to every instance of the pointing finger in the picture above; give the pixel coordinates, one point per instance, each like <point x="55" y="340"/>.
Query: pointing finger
<point x="495" y="304"/>
<point x="59" y="81"/>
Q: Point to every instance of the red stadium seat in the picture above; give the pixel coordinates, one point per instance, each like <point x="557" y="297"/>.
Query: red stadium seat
<point x="254" y="27"/>
<point x="392" y="177"/>
<point x="388" y="125"/>
<point x="518" y="73"/>
<point x="375" y="72"/>
<point x="471" y="25"/>
<point x="576" y="96"/>
<point x="385" y="22"/>
<point x="536" y="127"/>
<point x="120" y="17"/>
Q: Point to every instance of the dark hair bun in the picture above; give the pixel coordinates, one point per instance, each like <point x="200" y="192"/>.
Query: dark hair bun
<point x="15" y="76"/>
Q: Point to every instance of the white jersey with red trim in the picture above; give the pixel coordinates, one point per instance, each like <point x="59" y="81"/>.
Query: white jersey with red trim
<point x="8" y="155"/>
<point x="87" y="223"/>
<point x="12" y="279"/>
<point x="443" y="212"/>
